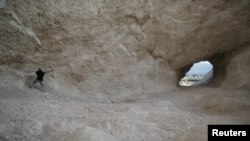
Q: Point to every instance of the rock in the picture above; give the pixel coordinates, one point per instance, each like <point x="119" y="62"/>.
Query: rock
<point x="88" y="133"/>
<point x="238" y="70"/>
<point x="123" y="45"/>
<point x="131" y="53"/>
<point x="193" y="133"/>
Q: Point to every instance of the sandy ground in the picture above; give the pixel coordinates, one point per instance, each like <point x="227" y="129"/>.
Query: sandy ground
<point x="178" y="115"/>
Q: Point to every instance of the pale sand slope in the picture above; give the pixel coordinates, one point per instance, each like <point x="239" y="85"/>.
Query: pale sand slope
<point x="177" y="115"/>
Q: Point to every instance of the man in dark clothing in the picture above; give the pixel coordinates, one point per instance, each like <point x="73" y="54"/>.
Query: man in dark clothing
<point x="40" y="74"/>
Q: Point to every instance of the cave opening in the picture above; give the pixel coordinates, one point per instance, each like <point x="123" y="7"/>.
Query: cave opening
<point x="199" y="74"/>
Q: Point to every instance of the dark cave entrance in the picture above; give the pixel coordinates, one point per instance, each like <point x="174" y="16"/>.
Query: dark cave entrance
<point x="197" y="74"/>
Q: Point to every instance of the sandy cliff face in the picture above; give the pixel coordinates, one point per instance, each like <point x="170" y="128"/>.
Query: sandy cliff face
<point x="238" y="69"/>
<point x="116" y="65"/>
<point x="120" y="46"/>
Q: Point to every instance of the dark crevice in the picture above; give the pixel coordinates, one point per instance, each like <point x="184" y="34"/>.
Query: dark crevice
<point x="219" y="64"/>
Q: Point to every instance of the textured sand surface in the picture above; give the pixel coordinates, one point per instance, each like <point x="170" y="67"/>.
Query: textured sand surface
<point x="178" y="115"/>
<point x="116" y="65"/>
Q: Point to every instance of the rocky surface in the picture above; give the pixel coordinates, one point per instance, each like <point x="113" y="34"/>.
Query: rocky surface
<point x="179" y="115"/>
<point x="119" y="54"/>
<point x="131" y="42"/>
<point x="238" y="70"/>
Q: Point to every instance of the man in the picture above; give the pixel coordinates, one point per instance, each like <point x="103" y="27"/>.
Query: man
<point x="40" y="74"/>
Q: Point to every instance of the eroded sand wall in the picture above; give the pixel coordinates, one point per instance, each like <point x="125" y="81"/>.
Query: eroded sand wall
<point x="120" y="46"/>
